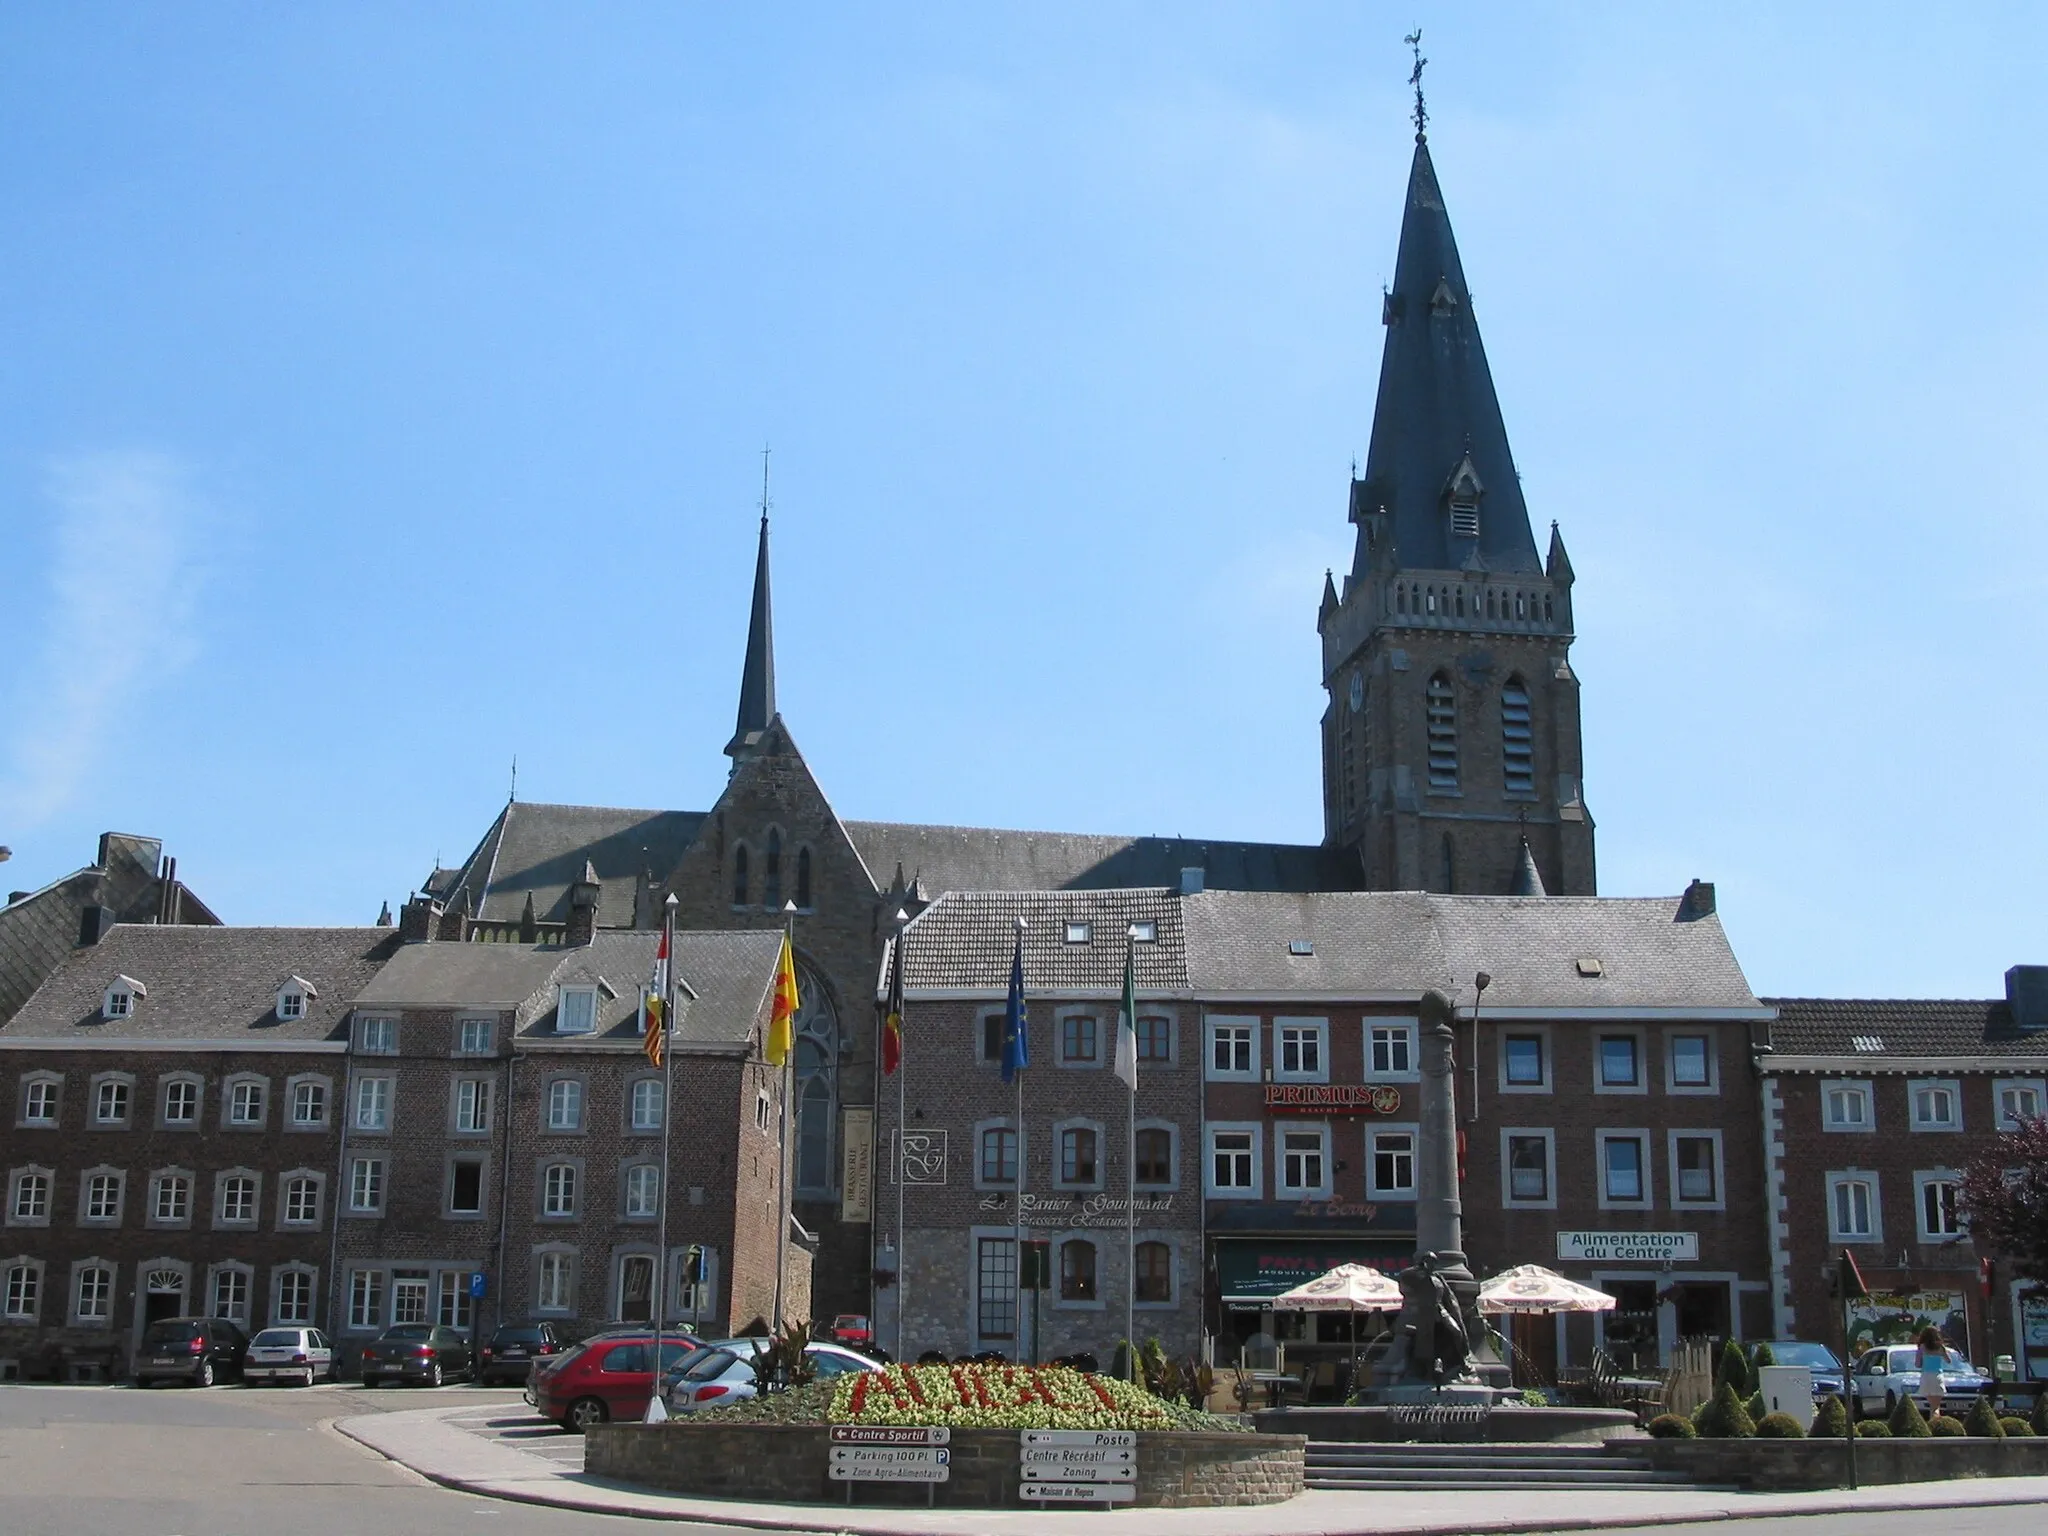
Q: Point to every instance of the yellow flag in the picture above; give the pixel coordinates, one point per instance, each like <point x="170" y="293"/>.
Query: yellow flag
<point x="782" y="1021"/>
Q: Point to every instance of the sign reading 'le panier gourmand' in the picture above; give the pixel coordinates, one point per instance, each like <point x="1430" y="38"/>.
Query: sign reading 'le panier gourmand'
<point x="1628" y="1247"/>
<point x="1333" y="1099"/>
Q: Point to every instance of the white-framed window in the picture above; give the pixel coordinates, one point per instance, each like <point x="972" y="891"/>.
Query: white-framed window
<point x="1854" y="1215"/>
<point x="302" y="1188"/>
<point x="555" y="1281"/>
<point x="1390" y="1161"/>
<point x="170" y="1198"/>
<point x="643" y="1192"/>
<point x="1232" y="1050"/>
<point x="308" y="1099"/>
<point x="230" y="1291"/>
<point x="118" y="1001"/>
<point x="1934" y="1205"/>
<point x="558" y="1190"/>
<point x="409" y="1295"/>
<point x="1303" y="1155"/>
<point x="476" y="1037"/>
<point x="1231" y="1166"/>
<point x="1301" y="1050"/>
<point x="452" y="1307"/>
<point x="696" y="1277"/>
<point x="465" y="1187"/>
<point x="472" y="1106"/>
<point x="1845" y="1106"/>
<point x="1696" y="1170"/>
<point x="248" y="1100"/>
<point x="180" y="1101"/>
<point x="565" y="1105"/>
<point x="1691" y="1063"/>
<point x="291" y="1294"/>
<point x="376" y="1037"/>
<point x="21" y="1298"/>
<point x="2017" y="1099"/>
<point x="576" y="1012"/>
<point x="1156" y="1145"/>
<point x="112" y="1093"/>
<point x="1080" y="1038"/>
<point x="1618" y="1062"/>
<point x="1078" y="1147"/>
<point x="28" y="1197"/>
<point x="373" y="1103"/>
<point x="1528" y="1162"/>
<point x="234" y="1197"/>
<point x="366" y="1299"/>
<point x="366" y="1185"/>
<point x="1936" y="1104"/>
<point x="92" y="1292"/>
<point x="1390" y="1055"/>
<point x="295" y="997"/>
<point x="101" y="1193"/>
<point x="1080" y="933"/>
<point x="1624" y="1168"/>
<point x="39" y="1095"/>
<point x="1525" y="1059"/>
<point x="644" y="1105"/>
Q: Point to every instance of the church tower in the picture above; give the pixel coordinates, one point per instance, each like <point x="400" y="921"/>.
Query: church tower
<point x="1451" y="756"/>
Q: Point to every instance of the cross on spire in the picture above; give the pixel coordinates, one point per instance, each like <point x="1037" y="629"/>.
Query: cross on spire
<point x="1421" y="113"/>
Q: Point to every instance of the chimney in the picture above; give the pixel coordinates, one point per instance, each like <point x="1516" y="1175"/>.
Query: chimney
<point x="583" y="899"/>
<point x="93" y="924"/>
<point x="418" y="919"/>
<point x="643" y="899"/>
<point x="2026" y="994"/>
<point x="455" y="921"/>
<point x="1698" y="901"/>
<point x="166" y="893"/>
<point x="1191" y="880"/>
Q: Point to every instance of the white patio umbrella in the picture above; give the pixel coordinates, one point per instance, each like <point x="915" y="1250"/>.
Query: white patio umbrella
<point x="1347" y="1288"/>
<point x="1532" y="1288"/>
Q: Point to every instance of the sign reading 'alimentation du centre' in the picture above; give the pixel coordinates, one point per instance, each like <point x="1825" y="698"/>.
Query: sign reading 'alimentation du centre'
<point x="1628" y="1247"/>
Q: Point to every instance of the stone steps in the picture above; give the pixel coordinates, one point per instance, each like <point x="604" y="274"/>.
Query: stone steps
<point x="1354" y="1465"/>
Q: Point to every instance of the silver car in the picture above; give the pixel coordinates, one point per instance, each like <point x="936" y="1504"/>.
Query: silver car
<point x="725" y="1374"/>
<point x="1884" y="1375"/>
<point x="289" y="1354"/>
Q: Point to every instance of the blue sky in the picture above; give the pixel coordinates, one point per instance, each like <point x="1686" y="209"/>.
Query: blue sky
<point x="382" y="390"/>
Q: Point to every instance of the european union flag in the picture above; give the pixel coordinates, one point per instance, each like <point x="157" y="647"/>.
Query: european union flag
<point x="1016" y="1039"/>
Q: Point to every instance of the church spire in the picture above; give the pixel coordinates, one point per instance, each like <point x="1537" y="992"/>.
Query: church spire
<point x="1439" y="463"/>
<point x="757" y="674"/>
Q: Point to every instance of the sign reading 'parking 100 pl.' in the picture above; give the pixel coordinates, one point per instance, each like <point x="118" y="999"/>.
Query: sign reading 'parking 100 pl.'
<point x="890" y="1454"/>
<point x="1629" y="1247"/>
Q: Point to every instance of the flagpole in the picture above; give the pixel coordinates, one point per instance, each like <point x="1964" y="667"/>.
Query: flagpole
<point x="668" y="1012"/>
<point x="788" y="1127"/>
<point x="902" y="1072"/>
<point x="1131" y="1177"/>
<point x="1017" y="1216"/>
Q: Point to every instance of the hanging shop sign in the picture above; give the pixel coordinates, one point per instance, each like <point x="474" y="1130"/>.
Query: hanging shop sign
<point x="857" y="1164"/>
<point x="1628" y="1247"/>
<point x="1332" y="1099"/>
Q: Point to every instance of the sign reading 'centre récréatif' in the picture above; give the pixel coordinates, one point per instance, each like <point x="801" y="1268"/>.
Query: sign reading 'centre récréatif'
<point x="1628" y="1247"/>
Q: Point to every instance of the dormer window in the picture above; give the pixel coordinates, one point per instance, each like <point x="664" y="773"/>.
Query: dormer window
<point x="1080" y="933"/>
<point x="119" y="1002"/>
<point x="1462" y="494"/>
<point x="576" y="1014"/>
<point x="294" y="997"/>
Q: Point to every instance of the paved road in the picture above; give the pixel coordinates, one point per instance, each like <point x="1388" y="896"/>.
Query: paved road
<point x="109" y="1461"/>
<point x="2012" y="1520"/>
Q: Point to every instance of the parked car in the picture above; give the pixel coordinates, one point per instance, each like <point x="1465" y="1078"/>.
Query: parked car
<point x="511" y="1352"/>
<point x="611" y="1377"/>
<point x="725" y="1376"/>
<point x="1818" y="1358"/>
<point x="200" y="1350"/>
<point x="422" y="1352"/>
<point x="1884" y="1375"/>
<point x="745" y="1349"/>
<point x="289" y="1354"/>
<point x="852" y="1330"/>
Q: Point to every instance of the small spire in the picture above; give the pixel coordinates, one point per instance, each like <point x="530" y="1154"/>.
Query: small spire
<point x="529" y="924"/>
<point x="1421" y="113"/>
<point x="1559" y="566"/>
<point x="384" y="915"/>
<point x="1528" y="878"/>
<point x="757" y="672"/>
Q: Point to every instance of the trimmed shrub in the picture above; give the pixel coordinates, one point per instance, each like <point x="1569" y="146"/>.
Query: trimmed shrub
<point x="1724" y="1418"/>
<point x="1780" y="1426"/>
<point x="1947" y="1425"/>
<point x="1908" y="1422"/>
<point x="1982" y="1420"/>
<point x="1873" y="1429"/>
<point x="1756" y="1406"/>
<point x="2016" y="1426"/>
<point x="1763" y="1356"/>
<point x="1831" y="1417"/>
<point x="1733" y="1371"/>
<point x="2039" y="1418"/>
<point x="1672" y="1426"/>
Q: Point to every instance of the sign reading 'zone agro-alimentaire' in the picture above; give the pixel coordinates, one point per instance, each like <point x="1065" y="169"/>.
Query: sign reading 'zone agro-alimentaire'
<point x="1628" y="1247"/>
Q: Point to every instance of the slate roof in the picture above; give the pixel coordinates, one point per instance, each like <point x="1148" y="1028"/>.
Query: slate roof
<point x="722" y="980"/>
<point x="207" y="984"/>
<point x="1437" y="403"/>
<point x="964" y="941"/>
<point x="1832" y="1026"/>
<point x="1364" y="943"/>
<point x="540" y="850"/>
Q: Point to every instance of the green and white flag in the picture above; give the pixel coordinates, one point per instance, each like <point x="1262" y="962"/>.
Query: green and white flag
<point x="1127" y="1025"/>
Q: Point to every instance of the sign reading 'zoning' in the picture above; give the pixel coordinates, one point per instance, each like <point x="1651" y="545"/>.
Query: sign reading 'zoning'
<point x="1333" y="1098"/>
<point x="1628" y="1247"/>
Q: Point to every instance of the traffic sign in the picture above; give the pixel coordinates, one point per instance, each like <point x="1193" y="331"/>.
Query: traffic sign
<point x="477" y="1285"/>
<point x="1122" y="1439"/>
<point x="1078" y="1472"/>
<point x="891" y="1434"/>
<point x="891" y="1463"/>
<point x="1079" y="1493"/>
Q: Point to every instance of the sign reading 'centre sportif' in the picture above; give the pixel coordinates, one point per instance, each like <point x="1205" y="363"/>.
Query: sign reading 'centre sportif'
<point x="1628" y="1247"/>
<point x="1333" y="1098"/>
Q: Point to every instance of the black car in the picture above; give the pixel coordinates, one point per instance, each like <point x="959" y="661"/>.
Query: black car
<point x="510" y="1354"/>
<point x="200" y="1350"/>
<point x="422" y="1352"/>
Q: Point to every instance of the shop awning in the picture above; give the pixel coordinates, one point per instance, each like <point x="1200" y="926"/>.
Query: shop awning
<point x="1250" y="1272"/>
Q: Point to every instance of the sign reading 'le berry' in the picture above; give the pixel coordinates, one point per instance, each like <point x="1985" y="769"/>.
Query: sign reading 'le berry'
<point x="1333" y="1099"/>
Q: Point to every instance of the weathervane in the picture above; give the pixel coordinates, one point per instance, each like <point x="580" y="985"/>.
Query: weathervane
<point x="1414" y="41"/>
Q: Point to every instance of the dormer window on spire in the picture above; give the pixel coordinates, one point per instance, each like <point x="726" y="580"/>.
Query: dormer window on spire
<point x="1462" y="495"/>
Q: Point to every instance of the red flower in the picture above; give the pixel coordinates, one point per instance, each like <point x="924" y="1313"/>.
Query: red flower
<point x="1103" y="1392"/>
<point x="860" y="1395"/>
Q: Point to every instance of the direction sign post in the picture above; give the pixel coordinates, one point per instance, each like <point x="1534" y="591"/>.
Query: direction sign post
<point x="1078" y="1466"/>
<point x="909" y="1453"/>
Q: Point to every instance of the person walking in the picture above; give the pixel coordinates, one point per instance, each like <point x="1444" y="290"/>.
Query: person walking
<point x="1933" y="1358"/>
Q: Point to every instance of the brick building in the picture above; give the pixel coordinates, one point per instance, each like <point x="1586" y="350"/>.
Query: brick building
<point x="1874" y="1107"/>
<point x="169" y="1134"/>
<point x="501" y="1119"/>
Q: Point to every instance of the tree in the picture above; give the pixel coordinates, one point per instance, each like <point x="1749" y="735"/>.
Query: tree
<point x="2004" y="1198"/>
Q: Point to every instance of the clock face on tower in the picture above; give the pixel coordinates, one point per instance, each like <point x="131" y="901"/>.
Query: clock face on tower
<point x="1357" y="690"/>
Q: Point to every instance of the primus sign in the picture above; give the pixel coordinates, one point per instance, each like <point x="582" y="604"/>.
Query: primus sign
<point x="1629" y="1247"/>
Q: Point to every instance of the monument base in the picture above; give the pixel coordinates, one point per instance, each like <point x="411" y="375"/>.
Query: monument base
<point x="1460" y="1394"/>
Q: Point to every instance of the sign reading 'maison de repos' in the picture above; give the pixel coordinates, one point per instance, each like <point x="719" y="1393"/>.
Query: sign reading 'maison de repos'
<point x="1629" y="1247"/>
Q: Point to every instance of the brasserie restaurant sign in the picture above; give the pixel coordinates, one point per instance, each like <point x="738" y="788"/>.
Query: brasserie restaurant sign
<point x="1333" y="1098"/>
<point x="1628" y="1247"/>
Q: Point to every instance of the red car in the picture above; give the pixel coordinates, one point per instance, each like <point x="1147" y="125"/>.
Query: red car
<point x="611" y="1377"/>
<point x="851" y="1329"/>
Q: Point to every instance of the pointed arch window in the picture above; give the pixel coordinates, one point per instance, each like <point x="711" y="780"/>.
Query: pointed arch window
<point x="803" y="878"/>
<point x="771" y="871"/>
<point x="1441" y="712"/>
<point x="1517" y="741"/>
<point x="739" y="876"/>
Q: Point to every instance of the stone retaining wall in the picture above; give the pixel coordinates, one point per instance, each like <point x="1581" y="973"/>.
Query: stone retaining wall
<point x="1787" y="1466"/>
<point x="787" y="1463"/>
<point x="1517" y="1424"/>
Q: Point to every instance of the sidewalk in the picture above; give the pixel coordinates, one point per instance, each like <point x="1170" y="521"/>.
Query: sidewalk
<point x="425" y="1441"/>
